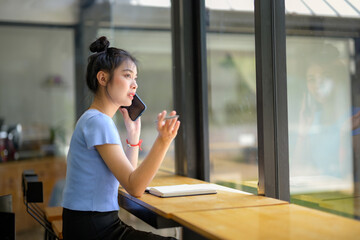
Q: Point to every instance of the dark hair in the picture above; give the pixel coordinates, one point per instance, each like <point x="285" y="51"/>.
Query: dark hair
<point x="104" y="59"/>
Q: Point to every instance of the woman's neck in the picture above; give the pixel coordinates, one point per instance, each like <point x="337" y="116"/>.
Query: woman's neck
<point x="104" y="105"/>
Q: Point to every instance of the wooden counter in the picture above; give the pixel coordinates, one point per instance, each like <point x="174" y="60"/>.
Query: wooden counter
<point x="270" y="222"/>
<point x="158" y="211"/>
<point x="232" y="214"/>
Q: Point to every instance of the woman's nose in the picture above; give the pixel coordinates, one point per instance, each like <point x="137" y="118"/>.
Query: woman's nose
<point x="134" y="84"/>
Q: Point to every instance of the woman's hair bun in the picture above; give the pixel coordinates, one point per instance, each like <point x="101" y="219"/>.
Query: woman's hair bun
<point x="100" y="45"/>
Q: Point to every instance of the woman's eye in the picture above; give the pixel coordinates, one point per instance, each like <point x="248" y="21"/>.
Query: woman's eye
<point x="127" y="75"/>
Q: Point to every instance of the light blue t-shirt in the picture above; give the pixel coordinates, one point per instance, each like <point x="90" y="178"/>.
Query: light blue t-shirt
<point x="90" y="185"/>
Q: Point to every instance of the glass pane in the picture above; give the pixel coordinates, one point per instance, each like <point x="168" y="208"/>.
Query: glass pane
<point x="37" y="100"/>
<point x="296" y="6"/>
<point x="319" y="7"/>
<point x="355" y="4"/>
<point x="44" y="50"/>
<point x="232" y="95"/>
<point x="323" y="109"/>
<point x="143" y="29"/>
<point x="343" y="8"/>
<point x="36" y="91"/>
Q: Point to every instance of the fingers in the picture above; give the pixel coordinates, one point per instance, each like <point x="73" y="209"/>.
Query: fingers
<point x="176" y="127"/>
<point x="170" y="125"/>
<point x="173" y="113"/>
<point x="124" y="112"/>
<point x="160" y="119"/>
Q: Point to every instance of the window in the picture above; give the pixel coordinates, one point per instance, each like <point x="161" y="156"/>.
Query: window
<point x="143" y="29"/>
<point x="323" y="106"/>
<point x="232" y="94"/>
<point x="37" y="82"/>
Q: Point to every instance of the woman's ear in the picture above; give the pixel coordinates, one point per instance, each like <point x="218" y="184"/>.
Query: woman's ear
<point x="102" y="78"/>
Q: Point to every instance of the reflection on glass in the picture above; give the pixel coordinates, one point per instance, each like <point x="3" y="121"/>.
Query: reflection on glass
<point x="232" y="99"/>
<point x="322" y="136"/>
<point x="323" y="115"/>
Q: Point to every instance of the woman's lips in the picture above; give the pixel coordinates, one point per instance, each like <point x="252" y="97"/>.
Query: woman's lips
<point x="132" y="95"/>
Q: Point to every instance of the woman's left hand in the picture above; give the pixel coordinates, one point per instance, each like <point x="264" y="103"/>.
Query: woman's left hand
<point x="167" y="128"/>
<point x="133" y="128"/>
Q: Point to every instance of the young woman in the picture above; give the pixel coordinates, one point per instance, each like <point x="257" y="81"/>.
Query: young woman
<point x="96" y="161"/>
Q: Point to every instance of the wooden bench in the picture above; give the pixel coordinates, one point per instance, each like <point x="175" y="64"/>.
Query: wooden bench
<point x="54" y="216"/>
<point x="32" y="195"/>
<point x="57" y="227"/>
<point x="53" y="213"/>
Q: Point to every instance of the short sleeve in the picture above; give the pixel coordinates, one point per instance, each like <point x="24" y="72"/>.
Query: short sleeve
<point x="99" y="130"/>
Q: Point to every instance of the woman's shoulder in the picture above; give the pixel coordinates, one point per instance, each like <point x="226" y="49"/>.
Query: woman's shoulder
<point x="94" y="115"/>
<point x="94" y="118"/>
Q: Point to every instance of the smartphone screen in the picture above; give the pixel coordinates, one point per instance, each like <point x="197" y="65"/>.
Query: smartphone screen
<point x="136" y="108"/>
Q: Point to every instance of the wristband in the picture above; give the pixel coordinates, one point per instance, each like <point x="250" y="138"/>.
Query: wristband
<point x="135" y="145"/>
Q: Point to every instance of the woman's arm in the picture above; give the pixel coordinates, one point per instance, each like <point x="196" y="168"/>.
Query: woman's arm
<point x="133" y="155"/>
<point x="133" y="129"/>
<point x="133" y="179"/>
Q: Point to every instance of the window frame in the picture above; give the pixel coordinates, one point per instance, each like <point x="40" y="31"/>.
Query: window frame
<point x="190" y="93"/>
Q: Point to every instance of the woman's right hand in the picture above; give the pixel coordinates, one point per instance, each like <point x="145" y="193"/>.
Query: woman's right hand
<point x="133" y="128"/>
<point x="167" y="128"/>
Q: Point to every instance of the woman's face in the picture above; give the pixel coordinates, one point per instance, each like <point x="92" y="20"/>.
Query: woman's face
<point x="122" y="87"/>
<point x="319" y="84"/>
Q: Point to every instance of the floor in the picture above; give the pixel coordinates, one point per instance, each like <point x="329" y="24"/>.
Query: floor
<point x="37" y="233"/>
<point x="33" y="234"/>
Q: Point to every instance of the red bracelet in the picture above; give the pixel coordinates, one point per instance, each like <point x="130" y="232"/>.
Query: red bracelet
<point x="135" y="145"/>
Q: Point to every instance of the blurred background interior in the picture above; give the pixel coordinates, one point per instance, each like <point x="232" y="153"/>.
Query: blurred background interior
<point x="44" y="50"/>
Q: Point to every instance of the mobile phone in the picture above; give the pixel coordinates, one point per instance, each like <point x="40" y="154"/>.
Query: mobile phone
<point x="136" y="108"/>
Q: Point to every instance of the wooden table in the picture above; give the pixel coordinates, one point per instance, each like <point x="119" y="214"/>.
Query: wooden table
<point x="159" y="212"/>
<point x="269" y="222"/>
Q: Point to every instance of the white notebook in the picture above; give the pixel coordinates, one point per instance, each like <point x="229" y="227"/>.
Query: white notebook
<point x="182" y="190"/>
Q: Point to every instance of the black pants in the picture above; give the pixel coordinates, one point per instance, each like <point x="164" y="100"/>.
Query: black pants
<point x="100" y="225"/>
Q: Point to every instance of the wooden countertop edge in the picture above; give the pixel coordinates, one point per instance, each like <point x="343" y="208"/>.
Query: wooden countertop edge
<point x="142" y="203"/>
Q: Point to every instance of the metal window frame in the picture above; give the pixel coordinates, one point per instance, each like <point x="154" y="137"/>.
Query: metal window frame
<point x="190" y="88"/>
<point x="85" y="33"/>
<point x="356" y="102"/>
<point x="271" y="88"/>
